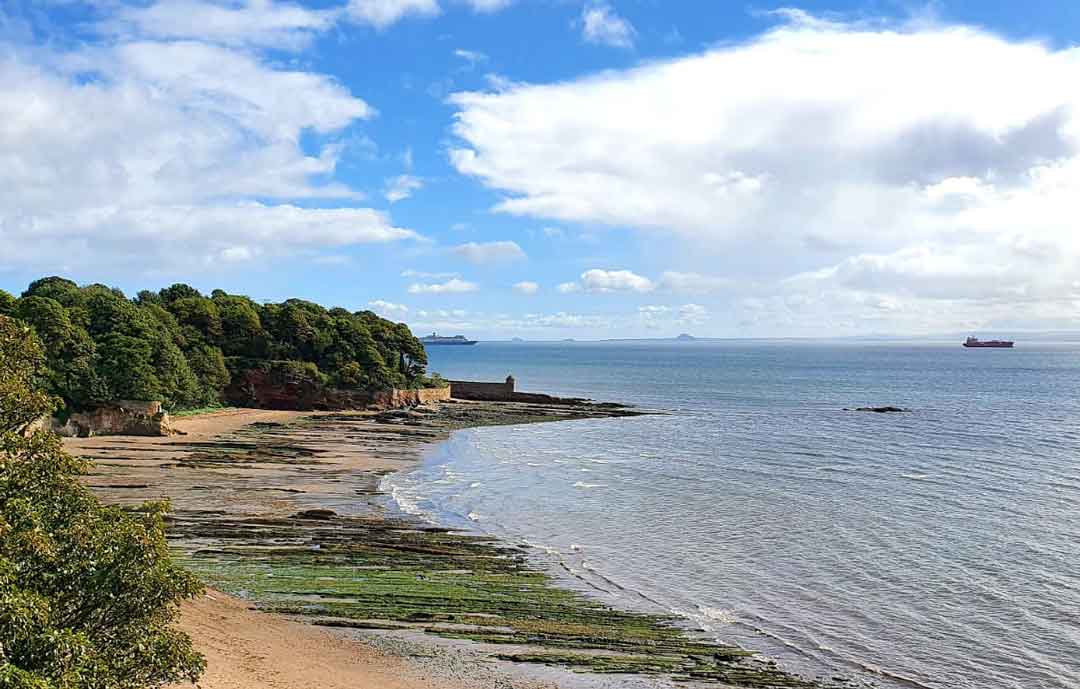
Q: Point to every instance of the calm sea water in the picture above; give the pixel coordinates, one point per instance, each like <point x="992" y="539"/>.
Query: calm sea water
<point x="939" y="548"/>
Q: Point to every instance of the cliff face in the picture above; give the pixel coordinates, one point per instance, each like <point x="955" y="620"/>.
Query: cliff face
<point x="297" y="390"/>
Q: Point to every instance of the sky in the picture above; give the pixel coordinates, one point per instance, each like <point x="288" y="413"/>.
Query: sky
<point x="551" y="169"/>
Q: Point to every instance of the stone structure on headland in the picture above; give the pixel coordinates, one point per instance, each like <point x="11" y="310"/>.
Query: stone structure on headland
<point x="503" y="392"/>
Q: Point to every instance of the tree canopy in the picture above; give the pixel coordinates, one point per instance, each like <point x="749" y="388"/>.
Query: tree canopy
<point x="88" y="594"/>
<point x="182" y="347"/>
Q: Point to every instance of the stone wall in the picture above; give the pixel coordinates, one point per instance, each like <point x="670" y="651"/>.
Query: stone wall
<point x="484" y="392"/>
<point x="503" y="392"/>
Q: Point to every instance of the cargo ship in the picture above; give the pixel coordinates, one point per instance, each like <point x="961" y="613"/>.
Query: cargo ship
<point x="994" y="344"/>
<point x="435" y="339"/>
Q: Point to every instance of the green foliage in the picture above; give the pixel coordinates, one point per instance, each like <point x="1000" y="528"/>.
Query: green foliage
<point x="172" y="345"/>
<point x="7" y="303"/>
<point x="22" y="360"/>
<point x="208" y="364"/>
<point x="88" y="593"/>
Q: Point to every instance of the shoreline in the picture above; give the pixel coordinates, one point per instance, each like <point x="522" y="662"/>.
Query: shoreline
<point x="259" y="496"/>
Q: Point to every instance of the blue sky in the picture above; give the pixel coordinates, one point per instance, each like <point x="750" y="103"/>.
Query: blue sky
<point x="555" y="168"/>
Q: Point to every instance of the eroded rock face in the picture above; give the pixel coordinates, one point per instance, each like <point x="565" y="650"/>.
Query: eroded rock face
<point x="123" y="417"/>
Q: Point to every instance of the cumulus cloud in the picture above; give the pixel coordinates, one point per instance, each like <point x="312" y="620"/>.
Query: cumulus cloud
<point x="526" y="287"/>
<point x="601" y="24"/>
<point x="127" y="152"/>
<point x="383" y="13"/>
<point x="568" y="287"/>
<point x="401" y="187"/>
<point x="451" y="286"/>
<point x="597" y="280"/>
<point x="891" y="161"/>
<point x="483" y="253"/>
<point x="236" y="22"/>
<point x="388" y="308"/>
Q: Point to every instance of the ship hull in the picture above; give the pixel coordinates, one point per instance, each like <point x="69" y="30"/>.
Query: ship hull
<point x="447" y="344"/>
<point x="989" y="345"/>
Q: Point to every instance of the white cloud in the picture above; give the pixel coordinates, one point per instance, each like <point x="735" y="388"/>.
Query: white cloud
<point x="488" y="5"/>
<point x="149" y="154"/>
<point x="388" y="308"/>
<point x="235" y="22"/>
<point x="895" y="162"/>
<point x="526" y="287"/>
<point x="597" y="280"/>
<point x="694" y="283"/>
<point x="693" y="314"/>
<point x="554" y="232"/>
<point x="568" y="287"/>
<point x="471" y="57"/>
<point x="383" y="13"/>
<point x="452" y="286"/>
<point x="428" y="276"/>
<point x="601" y="24"/>
<point x="483" y="253"/>
<point x="401" y="187"/>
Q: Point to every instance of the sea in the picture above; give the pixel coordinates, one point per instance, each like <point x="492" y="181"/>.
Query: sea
<point x="936" y="548"/>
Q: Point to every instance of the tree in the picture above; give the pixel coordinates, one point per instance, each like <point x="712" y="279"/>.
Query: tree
<point x="22" y="361"/>
<point x="69" y="350"/>
<point x="199" y="319"/>
<point x="7" y="303"/>
<point x="178" y="291"/>
<point x="58" y="289"/>
<point x="126" y="366"/>
<point x="242" y="331"/>
<point x="208" y="365"/>
<point x="88" y="593"/>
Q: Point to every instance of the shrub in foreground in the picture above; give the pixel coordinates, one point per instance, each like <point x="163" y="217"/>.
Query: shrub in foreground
<point x="88" y="594"/>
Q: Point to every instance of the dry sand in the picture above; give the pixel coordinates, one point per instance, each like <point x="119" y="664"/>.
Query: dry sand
<point x="246" y="649"/>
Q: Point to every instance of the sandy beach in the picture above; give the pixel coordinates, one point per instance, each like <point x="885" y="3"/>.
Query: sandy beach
<point x="330" y="587"/>
<point x="246" y="648"/>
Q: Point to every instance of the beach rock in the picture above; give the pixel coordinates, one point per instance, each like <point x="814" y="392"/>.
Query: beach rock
<point x="319" y="514"/>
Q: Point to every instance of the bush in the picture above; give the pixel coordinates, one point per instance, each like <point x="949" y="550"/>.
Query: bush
<point x="88" y="593"/>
